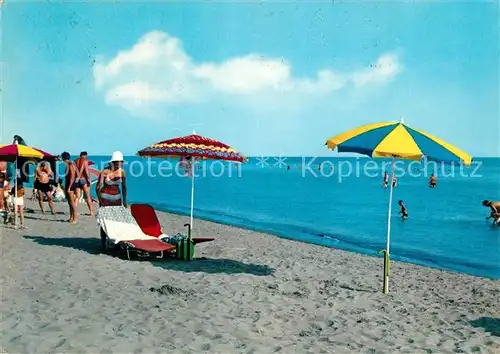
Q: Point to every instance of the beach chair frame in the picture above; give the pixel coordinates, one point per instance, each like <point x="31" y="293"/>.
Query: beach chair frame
<point x="129" y="248"/>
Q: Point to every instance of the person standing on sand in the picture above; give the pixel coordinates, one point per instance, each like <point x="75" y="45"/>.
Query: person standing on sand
<point x="19" y="199"/>
<point x="6" y="196"/>
<point x="42" y="185"/>
<point x="495" y="211"/>
<point x="111" y="178"/>
<point x="83" y="180"/>
<point x="70" y="176"/>
<point x="3" y="181"/>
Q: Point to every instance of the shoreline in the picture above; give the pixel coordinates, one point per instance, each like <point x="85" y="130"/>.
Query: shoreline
<point x="246" y="292"/>
<point x="351" y="247"/>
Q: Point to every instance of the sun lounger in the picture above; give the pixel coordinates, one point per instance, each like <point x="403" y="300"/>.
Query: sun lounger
<point x="147" y="220"/>
<point x="120" y="229"/>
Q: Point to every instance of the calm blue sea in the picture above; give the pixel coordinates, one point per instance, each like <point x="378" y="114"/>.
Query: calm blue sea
<point x="446" y="226"/>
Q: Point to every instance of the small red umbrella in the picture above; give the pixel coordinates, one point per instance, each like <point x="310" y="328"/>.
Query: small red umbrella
<point x="195" y="146"/>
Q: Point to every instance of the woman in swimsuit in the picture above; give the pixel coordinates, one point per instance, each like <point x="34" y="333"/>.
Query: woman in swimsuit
<point x="108" y="186"/>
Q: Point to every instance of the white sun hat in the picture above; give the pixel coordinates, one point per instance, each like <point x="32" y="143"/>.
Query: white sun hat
<point x="117" y="156"/>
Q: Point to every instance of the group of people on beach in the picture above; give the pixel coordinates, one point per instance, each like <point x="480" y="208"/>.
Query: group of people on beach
<point x="110" y="189"/>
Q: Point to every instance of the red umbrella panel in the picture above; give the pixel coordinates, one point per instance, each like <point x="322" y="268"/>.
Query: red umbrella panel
<point x="195" y="146"/>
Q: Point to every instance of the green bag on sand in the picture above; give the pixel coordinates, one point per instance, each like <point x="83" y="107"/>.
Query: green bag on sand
<point x="185" y="250"/>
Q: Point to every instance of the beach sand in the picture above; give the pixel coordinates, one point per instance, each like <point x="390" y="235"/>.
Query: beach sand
<point x="246" y="293"/>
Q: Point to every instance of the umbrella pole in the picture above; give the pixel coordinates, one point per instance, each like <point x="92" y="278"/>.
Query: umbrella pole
<point x="15" y="194"/>
<point x="386" y="253"/>
<point x="192" y="193"/>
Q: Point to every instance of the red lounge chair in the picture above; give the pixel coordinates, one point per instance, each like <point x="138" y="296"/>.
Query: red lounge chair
<point x="147" y="219"/>
<point x="144" y="248"/>
<point x="119" y="228"/>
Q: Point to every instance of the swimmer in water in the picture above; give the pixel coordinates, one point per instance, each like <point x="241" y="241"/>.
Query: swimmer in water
<point x="394" y="181"/>
<point x="403" y="211"/>
<point x="495" y="211"/>
<point x="433" y="181"/>
<point x="386" y="179"/>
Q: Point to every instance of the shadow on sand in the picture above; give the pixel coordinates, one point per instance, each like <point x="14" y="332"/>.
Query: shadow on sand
<point x="490" y="325"/>
<point x="86" y="244"/>
<point x="42" y="218"/>
<point x="214" y="265"/>
<point x="204" y="265"/>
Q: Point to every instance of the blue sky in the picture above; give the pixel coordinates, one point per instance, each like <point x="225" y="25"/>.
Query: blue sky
<point x="267" y="78"/>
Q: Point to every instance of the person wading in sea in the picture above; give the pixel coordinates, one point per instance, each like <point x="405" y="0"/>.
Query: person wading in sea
<point x="495" y="211"/>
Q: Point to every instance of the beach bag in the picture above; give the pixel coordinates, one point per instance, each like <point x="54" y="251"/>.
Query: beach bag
<point x="184" y="247"/>
<point x="185" y="250"/>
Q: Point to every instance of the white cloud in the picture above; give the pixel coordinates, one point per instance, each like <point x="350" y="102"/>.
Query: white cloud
<point x="247" y="74"/>
<point x="386" y="67"/>
<point x="158" y="70"/>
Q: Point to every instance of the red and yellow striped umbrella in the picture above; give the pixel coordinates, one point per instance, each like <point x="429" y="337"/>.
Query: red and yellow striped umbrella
<point x="11" y="152"/>
<point x="192" y="145"/>
<point x="197" y="147"/>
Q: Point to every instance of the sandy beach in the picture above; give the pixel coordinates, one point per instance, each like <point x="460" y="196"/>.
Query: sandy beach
<point x="246" y="292"/>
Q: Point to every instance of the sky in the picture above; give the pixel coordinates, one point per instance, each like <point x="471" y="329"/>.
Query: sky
<point x="267" y="78"/>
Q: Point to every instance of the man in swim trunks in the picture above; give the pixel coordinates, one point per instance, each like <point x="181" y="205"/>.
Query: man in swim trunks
<point x="403" y="211"/>
<point x="83" y="180"/>
<point x="495" y="210"/>
<point x="42" y="185"/>
<point x="432" y="181"/>
<point x="70" y="186"/>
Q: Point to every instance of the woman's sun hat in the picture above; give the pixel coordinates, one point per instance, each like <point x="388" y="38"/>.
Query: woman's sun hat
<point x="117" y="156"/>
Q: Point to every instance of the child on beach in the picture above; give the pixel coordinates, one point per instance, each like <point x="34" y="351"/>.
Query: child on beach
<point x="403" y="211"/>
<point x="18" y="197"/>
<point x="6" y="196"/>
<point x="59" y="193"/>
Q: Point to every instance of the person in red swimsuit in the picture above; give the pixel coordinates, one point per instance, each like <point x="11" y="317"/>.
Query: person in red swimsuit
<point x="111" y="178"/>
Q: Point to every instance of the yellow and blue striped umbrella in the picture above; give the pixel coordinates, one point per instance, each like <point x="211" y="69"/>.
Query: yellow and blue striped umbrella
<point x="397" y="140"/>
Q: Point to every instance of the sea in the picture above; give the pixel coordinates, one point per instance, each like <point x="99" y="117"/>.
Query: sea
<point x="339" y="203"/>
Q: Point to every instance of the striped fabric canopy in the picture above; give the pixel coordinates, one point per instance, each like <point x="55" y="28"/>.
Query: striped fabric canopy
<point x="12" y="151"/>
<point x="192" y="145"/>
<point x="397" y="140"/>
